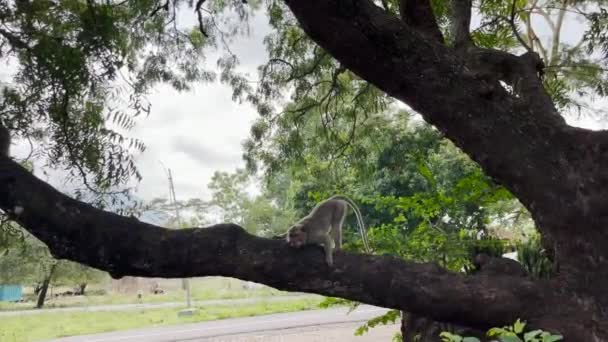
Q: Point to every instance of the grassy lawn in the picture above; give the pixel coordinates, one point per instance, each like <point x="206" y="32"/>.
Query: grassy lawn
<point x="53" y="325"/>
<point x="201" y="289"/>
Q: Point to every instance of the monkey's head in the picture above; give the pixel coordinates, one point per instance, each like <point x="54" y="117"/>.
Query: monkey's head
<point x="296" y="236"/>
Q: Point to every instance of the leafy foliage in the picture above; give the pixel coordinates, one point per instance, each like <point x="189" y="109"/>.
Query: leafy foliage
<point x="534" y="258"/>
<point x="388" y="318"/>
<point x="514" y="333"/>
<point x="82" y="70"/>
<point x="26" y="260"/>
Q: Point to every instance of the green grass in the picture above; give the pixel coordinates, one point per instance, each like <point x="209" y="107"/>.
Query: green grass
<point x="202" y="289"/>
<point x="53" y="325"/>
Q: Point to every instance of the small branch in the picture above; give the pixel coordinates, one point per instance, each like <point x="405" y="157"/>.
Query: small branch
<point x="281" y="60"/>
<point x="419" y="15"/>
<point x="539" y="44"/>
<point x="511" y="21"/>
<point x="65" y="103"/>
<point x="199" y="14"/>
<point x="545" y="15"/>
<point x="164" y="6"/>
<point x="461" y="23"/>
<point x="557" y="33"/>
<point x="575" y="66"/>
<point x="310" y="70"/>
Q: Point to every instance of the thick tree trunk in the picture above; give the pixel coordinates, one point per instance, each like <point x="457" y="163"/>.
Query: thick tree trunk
<point x="44" y="288"/>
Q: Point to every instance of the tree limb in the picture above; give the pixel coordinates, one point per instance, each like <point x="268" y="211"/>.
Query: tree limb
<point x="523" y="73"/>
<point x="461" y="23"/>
<point x="199" y="15"/>
<point x="511" y="21"/>
<point x="125" y="246"/>
<point x="497" y="129"/>
<point x="419" y="15"/>
<point x="557" y="32"/>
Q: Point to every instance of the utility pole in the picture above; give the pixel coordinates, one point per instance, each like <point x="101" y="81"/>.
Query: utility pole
<point x="185" y="281"/>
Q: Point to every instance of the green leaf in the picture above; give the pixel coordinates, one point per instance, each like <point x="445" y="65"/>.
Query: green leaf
<point x="532" y="334"/>
<point x="470" y="339"/>
<point x="510" y="338"/>
<point x="425" y="171"/>
<point x="449" y="337"/>
<point x="518" y="327"/>
<point x="497" y="332"/>
<point x="552" y="338"/>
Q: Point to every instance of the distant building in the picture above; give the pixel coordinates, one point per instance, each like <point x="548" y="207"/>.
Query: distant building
<point x="10" y="293"/>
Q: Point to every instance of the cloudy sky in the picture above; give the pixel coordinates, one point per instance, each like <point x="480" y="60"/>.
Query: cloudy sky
<point x="196" y="133"/>
<point x="199" y="132"/>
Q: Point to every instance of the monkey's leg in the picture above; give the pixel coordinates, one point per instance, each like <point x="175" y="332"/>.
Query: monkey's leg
<point x="327" y="246"/>
<point x="336" y="227"/>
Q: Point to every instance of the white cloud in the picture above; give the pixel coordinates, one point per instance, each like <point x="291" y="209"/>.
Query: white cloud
<point x="198" y="132"/>
<point x="194" y="134"/>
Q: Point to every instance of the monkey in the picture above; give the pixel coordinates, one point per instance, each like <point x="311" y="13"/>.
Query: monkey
<point x="5" y="141"/>
<point x="323" y="225"/>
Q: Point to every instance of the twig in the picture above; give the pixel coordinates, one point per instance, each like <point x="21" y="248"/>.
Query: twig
<point x="514" y="27"/>
<point x="201" y="28"/>
<point x="164" y="6"/>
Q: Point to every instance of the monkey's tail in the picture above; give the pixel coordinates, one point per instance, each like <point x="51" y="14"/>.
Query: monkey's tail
<point x="278" y="237"/>
<point x="362" y="229"/>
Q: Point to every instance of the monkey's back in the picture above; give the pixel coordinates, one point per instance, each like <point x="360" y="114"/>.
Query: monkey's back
<point x="325" y="214"/>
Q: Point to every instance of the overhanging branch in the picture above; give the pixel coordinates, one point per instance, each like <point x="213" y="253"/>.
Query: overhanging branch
<point x="496" y="128"/>
<point x="419" y="15"/>
<point x="125" y="246"/>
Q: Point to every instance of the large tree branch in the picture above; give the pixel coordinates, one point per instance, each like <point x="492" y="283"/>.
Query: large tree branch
<point x="419" y="15"/>
<point x="498" y="129"/>
<point x="125" y="246"/>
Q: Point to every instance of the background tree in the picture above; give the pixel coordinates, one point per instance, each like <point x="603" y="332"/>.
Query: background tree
<point x="26" y="260"/>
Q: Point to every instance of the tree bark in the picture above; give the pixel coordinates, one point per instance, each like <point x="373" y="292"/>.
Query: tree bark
<point x="37" y="288"/>
<point x="44" y="288"/>
<point x="81" y="288"/>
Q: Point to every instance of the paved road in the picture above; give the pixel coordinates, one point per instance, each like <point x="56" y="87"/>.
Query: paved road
<point x="121" y="307"/>
<point x="315" y="325"/>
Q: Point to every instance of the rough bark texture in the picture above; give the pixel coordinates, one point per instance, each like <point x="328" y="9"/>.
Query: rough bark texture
<point x="419" y="14"/>
<point x="557" y="171"/>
